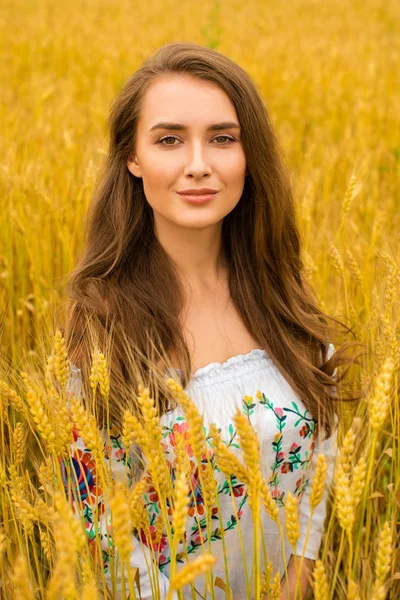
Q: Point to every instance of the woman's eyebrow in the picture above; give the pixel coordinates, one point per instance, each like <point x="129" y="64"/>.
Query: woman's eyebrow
<point x="180" y="126"/>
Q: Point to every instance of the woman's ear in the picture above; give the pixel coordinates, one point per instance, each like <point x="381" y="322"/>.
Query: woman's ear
<point x="133" y="166"/>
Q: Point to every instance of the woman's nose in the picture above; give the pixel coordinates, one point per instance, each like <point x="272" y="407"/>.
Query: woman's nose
<point x="198" y="161"/>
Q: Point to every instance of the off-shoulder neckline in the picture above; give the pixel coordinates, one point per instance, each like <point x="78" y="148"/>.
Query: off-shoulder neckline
<point x="213" y="366"/>
<point x="221" y="366"/>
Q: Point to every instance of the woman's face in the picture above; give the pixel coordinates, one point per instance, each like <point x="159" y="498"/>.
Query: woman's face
<point x="171" y="159"/>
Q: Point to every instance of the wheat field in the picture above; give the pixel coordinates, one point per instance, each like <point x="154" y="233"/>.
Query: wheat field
<point x="329" y="74"/>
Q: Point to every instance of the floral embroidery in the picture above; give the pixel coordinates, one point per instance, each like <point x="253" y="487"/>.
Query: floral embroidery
<point x="182" y="428"/>
<point x="287" y="459"/>
<point x="157" y="544"/>
<point x="82" y="481"/>
<point x="293" y="461"/>
<point x="198" y="534"/>
<point x="248" y="406"/>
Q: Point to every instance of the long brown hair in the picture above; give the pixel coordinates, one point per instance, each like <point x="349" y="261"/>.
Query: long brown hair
<point x="125" y="283"/>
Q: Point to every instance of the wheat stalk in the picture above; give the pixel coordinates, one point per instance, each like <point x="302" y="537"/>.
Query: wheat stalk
<point x="345" y="504"/>
<point x="3" y="545"/>
<point x="87" y="427"/>
<point x="318" y="486"/>
<point x="121" y="523"/>
<point x="379" y="403"/>
<point x="19" y="443"/>
<point x="138" y="513"/>
<point x="250" y="446"/>
<point x="60" y="362"/>
<point x="21" y="580"/>
<point x="180" y="513"/>
<point x="358" y="481"/>
<point x="23" y="508"/>
<point x="194" y="419"/>
<point x="337" y="260"/>
<point x="132" y="431"/>
<point x="39" y="414"/>
<point x="9" y="396"/>
<point x="292" y="519"/>
<point x="191" y="571"/>
<point x="353" y="590"/>
<point x="275" y="588"/>
<point x="227" y="462"/>
<point x="99" y="375"/>
<point x="384" y="554"/>
<point x="320" y="581"/>
<point x="69" y="541"/>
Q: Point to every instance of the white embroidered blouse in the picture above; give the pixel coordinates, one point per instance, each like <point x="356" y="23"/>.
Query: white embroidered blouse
<point x="289" y="441"/>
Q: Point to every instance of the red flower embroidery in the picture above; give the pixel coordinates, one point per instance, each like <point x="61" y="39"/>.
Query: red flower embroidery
<point x="304" y="430"/>
<point x="238" y="491"/>
<point x="285" y="468"/>
<point x="183" y="430"/>
<point x="153" y="496"/>
<point x="279" y="412"/>
<point x="276" y="494"/>
<point x="157" y="545"/>
<point x="119" y="454"/>
<point x="294" y="447"/>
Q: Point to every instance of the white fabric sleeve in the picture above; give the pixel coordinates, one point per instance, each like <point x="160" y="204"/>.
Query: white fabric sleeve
<point x="83" y="461"/>
<point x="329" y="448"/>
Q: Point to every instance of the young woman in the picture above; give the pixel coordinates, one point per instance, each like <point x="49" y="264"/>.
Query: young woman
<point x="192" y="242"/>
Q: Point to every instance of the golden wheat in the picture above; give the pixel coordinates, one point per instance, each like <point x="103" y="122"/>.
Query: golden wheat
<point x="379" y="403"/>
<point x="40" y="415"/>
<point x="9" y="396"/>
<point x="227" y="462"/>
<point x="192" y="570"/>
<point x="384" y="553"/>
<point x="320" y="581"/>
<point x="353" y="590"/>
<point x="132" y="431"/>
<point x="344" y="505"/>
<point x="275" y="588"/>
<point x="180" y="505"/>
<point x="194" y="419"/>
<point x="358" y="481"/>
<point x="21" y="580"/>
<point x="121" y="522"/>
<point x="3" y="544"/>
<point x="87" y="427"/>
<point x="138" y="513"/>
<point x="268" y="501"/>
<point x="19" y="443"/>
<point x="60" y="361"/>
<point x="99" y="375"/>
<point x="250" y="447"/>
<point x="318" y="484"/>
<point x="292" y="519"/>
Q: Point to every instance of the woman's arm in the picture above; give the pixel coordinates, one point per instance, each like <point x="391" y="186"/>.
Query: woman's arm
<point x="288" y="584"/>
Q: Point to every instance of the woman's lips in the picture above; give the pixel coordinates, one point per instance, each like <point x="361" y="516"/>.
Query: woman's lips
<point x="198" y="198"/>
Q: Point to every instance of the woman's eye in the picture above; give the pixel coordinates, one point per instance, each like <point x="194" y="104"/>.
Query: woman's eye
<point x="227" y="137"/>
<point x="171" y="137"/>
<point x="167" y="137"/>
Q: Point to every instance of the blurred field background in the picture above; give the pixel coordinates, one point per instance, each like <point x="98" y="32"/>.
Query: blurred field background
<point x="329" y="73"/>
